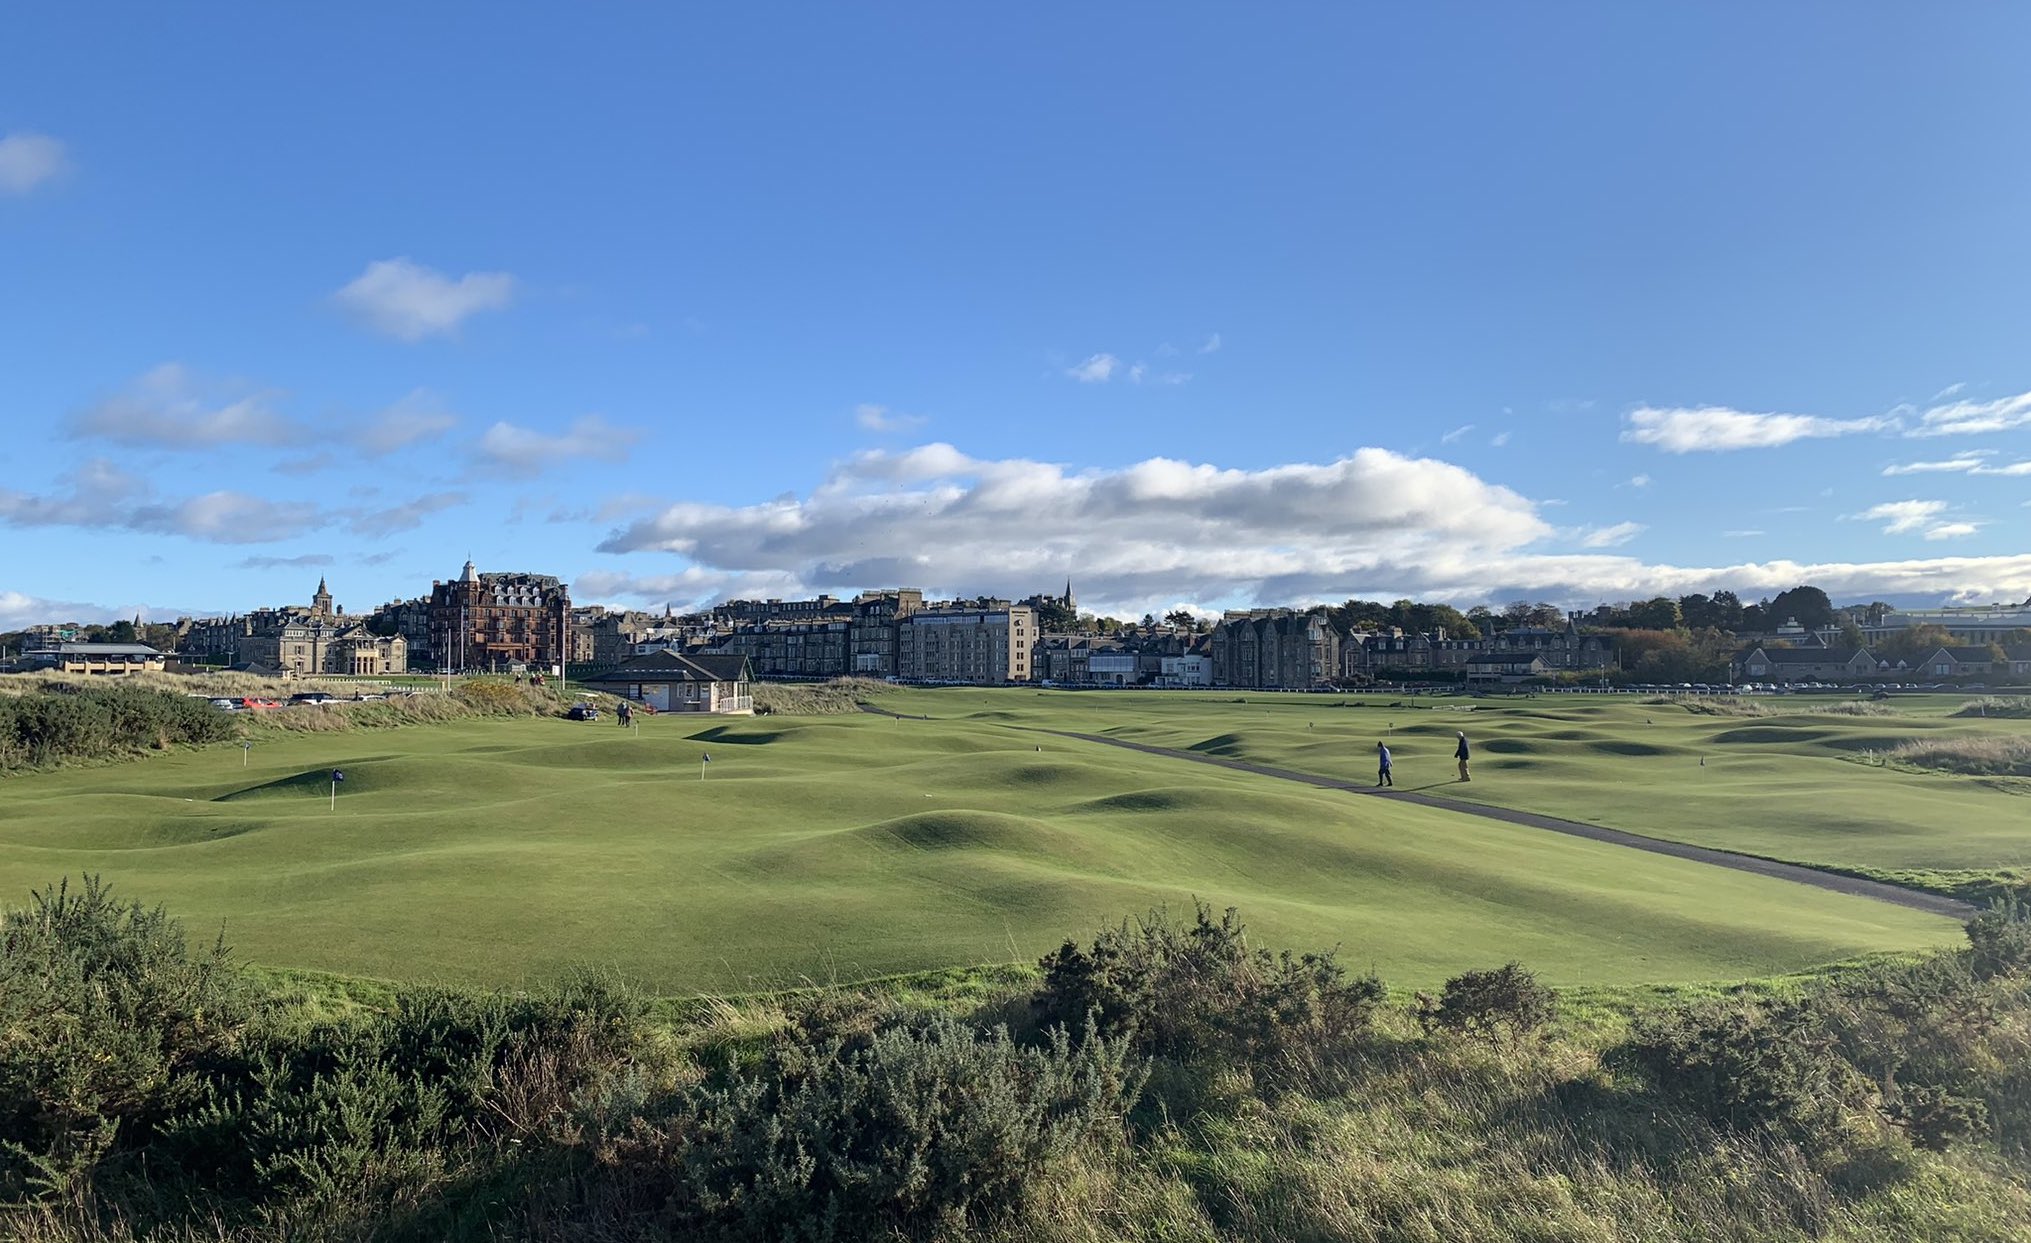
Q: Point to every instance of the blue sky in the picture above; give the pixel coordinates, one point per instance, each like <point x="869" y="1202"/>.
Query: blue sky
<point x="1198" y="306"/>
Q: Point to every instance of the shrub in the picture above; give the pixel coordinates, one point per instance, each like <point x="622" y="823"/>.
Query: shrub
<point x="1506" y="1001"/>
<point x="1200" y="993"/>
<point x="61" y="722"/>
<point x="1746" y="1067"/>
<point x="108" y="1025"/>
<point x="1936" y="1119"/>
<point x="1999" y="940"/>
<point x="922" y="1127"/>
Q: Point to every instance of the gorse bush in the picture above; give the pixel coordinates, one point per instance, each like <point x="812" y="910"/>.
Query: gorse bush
<point x="109" y="1026"/>
<point x="1200" y="992"/>
<point x="62" y="722"/>
<point x="919" y="1126"/>
<point x="1506" y="1001"/>
<point x="1172" y="1090"/>
<point x="1748" y="1066"/>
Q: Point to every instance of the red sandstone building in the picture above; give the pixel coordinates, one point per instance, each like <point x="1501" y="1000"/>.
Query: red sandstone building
<point x="498" y="621"/>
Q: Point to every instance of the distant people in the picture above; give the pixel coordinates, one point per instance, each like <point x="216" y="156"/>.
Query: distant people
<point x="1461" y="753"/>
<point x="1382" y="777"/>
<point x="625" y="714"/>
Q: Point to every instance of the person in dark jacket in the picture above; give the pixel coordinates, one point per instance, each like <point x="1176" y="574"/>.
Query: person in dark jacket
<point x="1461" y="754"/>
<point x="1382" y="777"/>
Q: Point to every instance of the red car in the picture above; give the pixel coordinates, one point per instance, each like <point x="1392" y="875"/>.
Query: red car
<point x="255" y="702"/>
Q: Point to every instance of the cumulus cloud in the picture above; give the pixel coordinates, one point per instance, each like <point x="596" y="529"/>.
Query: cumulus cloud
<point x="409" y="301"/>
<point x="1149" y="536"/>
<point x="170" y="407"/>
<point x="875" y="418"/>
<point x="1974" y="418"/>
<point x="1098" y="369"/>
<point x="1612" y="537"/>
<point x="27" y="160"/>
<point x="100" y="495"/>
<point x="1717" y="429"/>
<point x="1951" y="530"/>
<point x="516" y="450"/>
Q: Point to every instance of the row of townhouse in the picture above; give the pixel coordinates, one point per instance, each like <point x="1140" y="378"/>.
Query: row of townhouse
<point x="1857" y="664"/>
<point x="1293" y="650"/>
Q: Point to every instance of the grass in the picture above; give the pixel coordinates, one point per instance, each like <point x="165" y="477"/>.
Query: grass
<point x="1782" y="785"/>
<point x="840" y="848"/>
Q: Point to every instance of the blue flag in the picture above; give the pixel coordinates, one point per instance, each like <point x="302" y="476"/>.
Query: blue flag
<point x="708" y="757"/>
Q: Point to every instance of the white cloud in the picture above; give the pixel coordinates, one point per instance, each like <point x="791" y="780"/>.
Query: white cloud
<point x="1456" y="433"/>
<point x="1212" y="345"/>
<point x="882" y="419"/>
<point x="1639" y="481"/>
<point x="1742" y="534"/>
<point x="170" y="407"/>
<point x="1146" y="537"/>
<point x="525" y="451"/>
<point x="409" y="302"/>
<point x="1612" y="537"/>
<point x="1098" y="369"/>
<point x="1973" y="418"/>
<point x="99" y="494"/>
<point x="1499" y="439"/>
<point x="1949" y="391"/>
<point x="27" y="160"/>
<point x="1967" y="462"/>
<point x="1904" y="517"/>
<point x="1136" y="373"/>
<point x="1716" y="429"/>
<point x="1952" y="530"/>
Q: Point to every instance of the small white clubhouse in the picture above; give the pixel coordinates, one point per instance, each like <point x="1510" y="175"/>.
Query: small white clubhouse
<point x="668" y="682"/>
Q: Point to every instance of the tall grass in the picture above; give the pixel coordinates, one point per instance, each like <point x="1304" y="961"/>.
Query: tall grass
<point x="1987" y="755"/>
<point x="835" y="698"/>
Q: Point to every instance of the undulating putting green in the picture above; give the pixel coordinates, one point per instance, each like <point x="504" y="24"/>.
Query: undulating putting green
<point x="839" y="848"/>
<point x="1784" y="786"/>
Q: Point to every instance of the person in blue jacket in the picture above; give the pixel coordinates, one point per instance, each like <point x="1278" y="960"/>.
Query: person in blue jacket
<point x="1382" y="777"/>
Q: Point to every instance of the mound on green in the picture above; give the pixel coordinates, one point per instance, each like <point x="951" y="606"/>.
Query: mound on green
<point x="507" y="850"/>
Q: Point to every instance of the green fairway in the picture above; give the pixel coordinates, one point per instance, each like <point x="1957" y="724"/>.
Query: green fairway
<point x="838" y="848"/>
<point x="1785" y="786"/>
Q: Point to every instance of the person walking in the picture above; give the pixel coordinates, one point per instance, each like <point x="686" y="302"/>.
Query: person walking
<point x="1382" y="776"/>
<point x="1461" y="753"/>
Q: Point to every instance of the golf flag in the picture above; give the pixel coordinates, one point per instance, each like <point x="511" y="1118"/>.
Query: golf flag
<point x="708" y="757"/>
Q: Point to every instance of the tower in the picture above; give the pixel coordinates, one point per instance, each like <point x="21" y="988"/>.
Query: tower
<point x="1070" y="603"/>
<point x="320" y="604"/>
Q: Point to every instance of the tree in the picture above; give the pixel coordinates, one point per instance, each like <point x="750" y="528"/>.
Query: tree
<point x="1183" y="619"/>
<point x="1727" y="611"/>
<point x="1912" y="644"/>
<point x="1808" y="606"/>
<point x="1658" y="614"/>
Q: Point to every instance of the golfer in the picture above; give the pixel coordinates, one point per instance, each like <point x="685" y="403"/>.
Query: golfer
<point x="1461" y="753"/>
<point x="1382" y="777"/>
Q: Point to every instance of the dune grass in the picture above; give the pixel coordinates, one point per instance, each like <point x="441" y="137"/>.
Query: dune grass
<point x="830" y="849"/>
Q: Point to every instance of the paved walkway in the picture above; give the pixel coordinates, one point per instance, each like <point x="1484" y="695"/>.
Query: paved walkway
<point x="1931" y="903"/>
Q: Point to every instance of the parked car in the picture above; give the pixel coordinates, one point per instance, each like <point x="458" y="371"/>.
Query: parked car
<point x="258" y="704"/>
<point x="583" y="712"/>
<point x="314" y="698"/>
<point x="229" y="705"/>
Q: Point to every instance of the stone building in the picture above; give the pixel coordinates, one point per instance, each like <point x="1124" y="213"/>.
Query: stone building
<point x="1279" y="649"/>
<point x="983" y="641"/>
<point x="499" y="621"/>
<point x="320" y="639"/>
